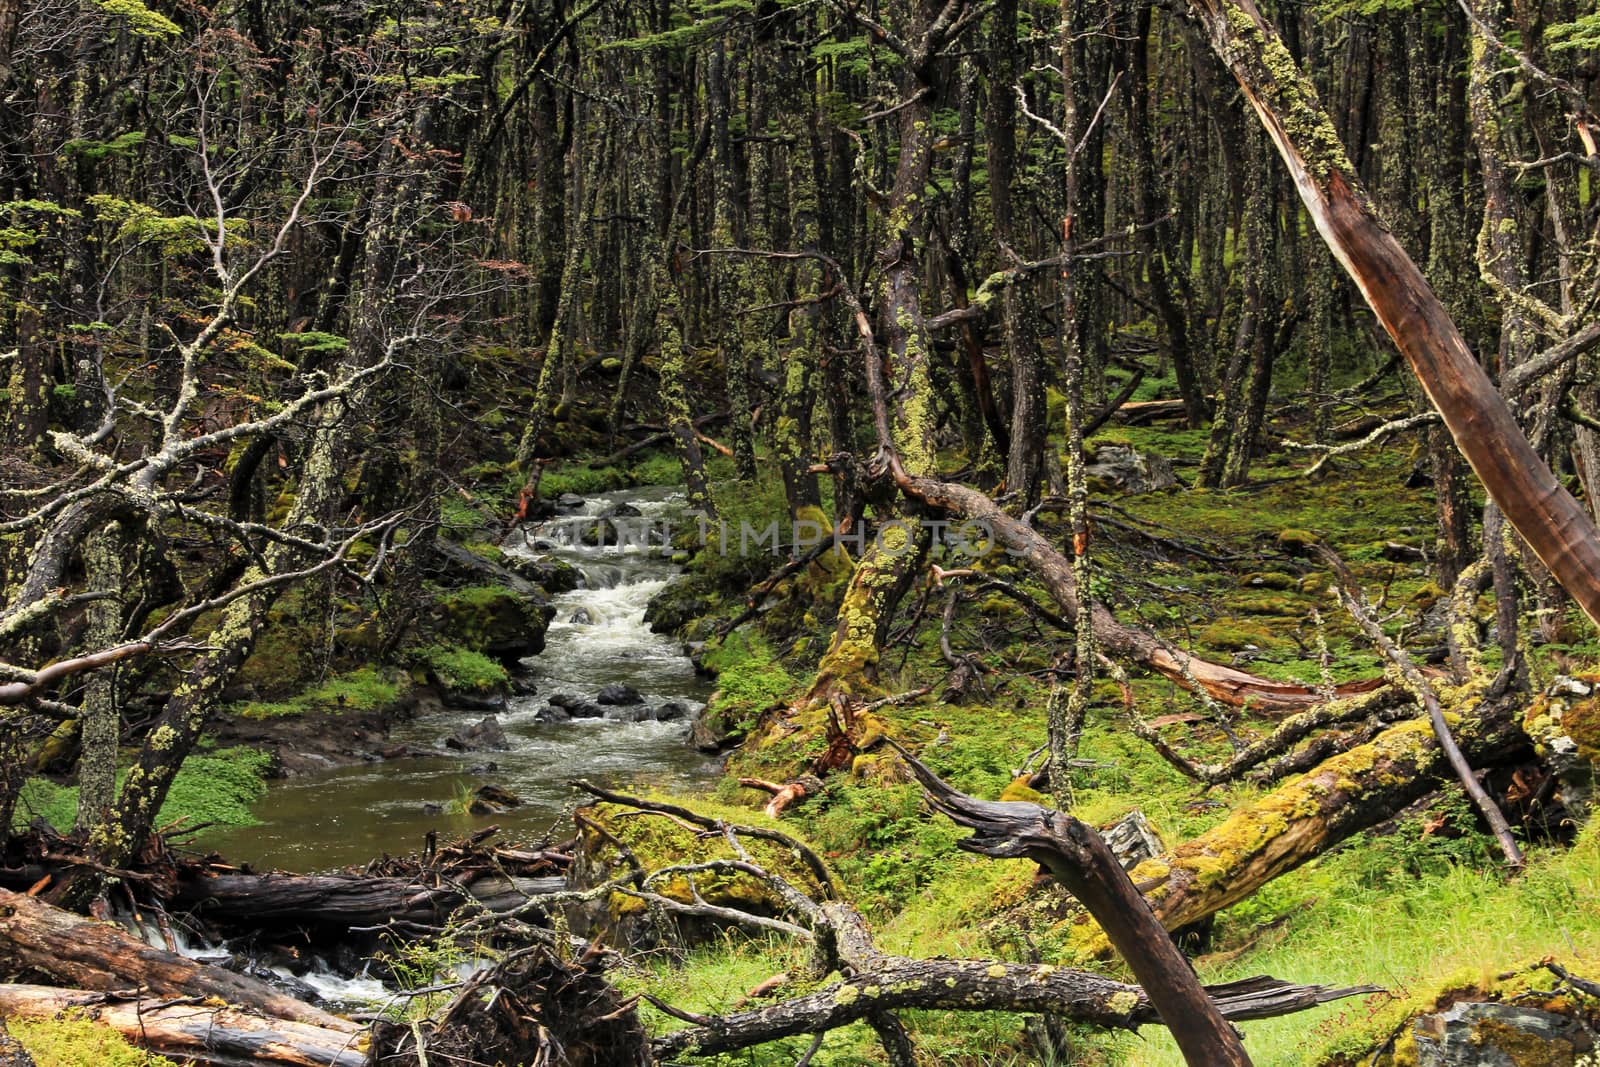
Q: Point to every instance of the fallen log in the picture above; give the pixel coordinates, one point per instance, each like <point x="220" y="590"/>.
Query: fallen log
<point x="874" y="984"/>
<point x="1348" y="793"/>
<point x="38" y="938"/>
<point x="1137" y="412"/>
<point x="884" y="983"/>
<point x="189" y="1029"/>
<point x="350" y="900"/>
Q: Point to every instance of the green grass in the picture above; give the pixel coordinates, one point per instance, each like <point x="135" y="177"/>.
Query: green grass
<point x="1386" y="912"/>
<point x="366" y="689"/>
<point x="217" y="787"/>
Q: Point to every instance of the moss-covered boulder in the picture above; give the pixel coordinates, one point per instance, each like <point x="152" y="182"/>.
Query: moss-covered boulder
<point x="547" y="572"/>
<point x="1564" y="723"/>
<point x="680" y="603"/>
<point x="495" y="620"/>
<point x="1486" y="1034"/>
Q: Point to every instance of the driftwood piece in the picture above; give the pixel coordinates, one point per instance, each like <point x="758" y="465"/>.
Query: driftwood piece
<point x="190" y="1029"/>
<point x="349" y="900"/>
<point x="785" y="794"/>
<point x="39" y="938"/>
<point x="1080" y="859"/>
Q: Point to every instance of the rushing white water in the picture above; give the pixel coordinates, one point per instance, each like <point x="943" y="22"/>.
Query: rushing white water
<point x="598" y="636"/>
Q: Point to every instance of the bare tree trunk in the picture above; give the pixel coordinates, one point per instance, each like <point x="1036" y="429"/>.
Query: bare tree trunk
<point x="101" y="719"/>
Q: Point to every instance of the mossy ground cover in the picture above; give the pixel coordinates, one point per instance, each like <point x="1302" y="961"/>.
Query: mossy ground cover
<point x="215" y="786"/>
<point x="1406" y="907"/>
<point x="74" y="1040"/>
<point x="364" y="689"/>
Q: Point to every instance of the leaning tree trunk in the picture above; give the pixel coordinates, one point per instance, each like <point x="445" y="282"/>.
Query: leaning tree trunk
<point x="1558" y="530"/>
<point x="899" y="384"/>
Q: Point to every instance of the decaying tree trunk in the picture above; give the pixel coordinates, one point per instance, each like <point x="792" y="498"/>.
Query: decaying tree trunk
<point x="264" y="900"/>
<point x="1299" y="821"/>
<point x="37" y="938"/>
<point x="189" y="1028"/>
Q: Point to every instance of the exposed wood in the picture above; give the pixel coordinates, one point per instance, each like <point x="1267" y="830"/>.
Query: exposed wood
<point x="264" y="900"/>
<point x="1553" y="524"/>
<point x="37" y="938"/>
<point x="1080" y="859"/>
<point x="190" y="1029"/>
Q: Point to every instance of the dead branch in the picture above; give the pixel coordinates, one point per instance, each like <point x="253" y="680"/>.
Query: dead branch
<point x="1411" y="678"/>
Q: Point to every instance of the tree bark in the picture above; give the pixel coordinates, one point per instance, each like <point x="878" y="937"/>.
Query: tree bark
<point x="1304" y="818"/>
<point x="1080" y="859"/>
<point x="40" y="939"/>
<point x="195" y="1032"/>
<point x="262" y="900"/>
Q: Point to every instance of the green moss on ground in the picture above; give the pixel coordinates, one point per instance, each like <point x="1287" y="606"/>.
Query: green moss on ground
<point x="461" y="668"/>
<point x="74" y="1040"/>
<point x="365" y="690"/>
<point x="219" y="787"/>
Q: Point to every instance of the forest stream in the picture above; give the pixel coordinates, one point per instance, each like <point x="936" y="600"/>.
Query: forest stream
<point x="351" y="815"/>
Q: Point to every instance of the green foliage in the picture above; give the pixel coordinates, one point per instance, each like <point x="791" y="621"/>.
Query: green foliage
<point x="418" y="964"/>
<point x="73" y="1040"/>
<point x="173" y="235"/>
<point x="317" y="343"/>
<point x="365" y="689"/>
<point x="1583" y="33"/>
<point x="852" y="55"/>
<point x="750" y="679"/>
<point x="714" y="978"/>
<point x="140" y="20"/>
<point x="217" y="787"/>
<point x="887" y="847"/>
<point x="461" y="518"/>
<point x="580" y="478"/>
<point x="461" y="668"/>
<point x="123" y="144"/>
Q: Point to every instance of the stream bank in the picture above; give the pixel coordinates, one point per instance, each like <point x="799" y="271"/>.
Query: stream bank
<point x="343" y="815"/>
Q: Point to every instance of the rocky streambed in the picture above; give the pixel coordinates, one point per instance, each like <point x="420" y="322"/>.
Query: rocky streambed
<point x="606" y="699"/>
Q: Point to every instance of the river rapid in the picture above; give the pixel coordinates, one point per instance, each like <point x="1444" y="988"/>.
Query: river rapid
<point x="351" y="815"/>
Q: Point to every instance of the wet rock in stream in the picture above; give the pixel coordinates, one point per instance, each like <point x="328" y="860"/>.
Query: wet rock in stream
<point x="486" y="733"/>
<point x="492" y="800"/>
